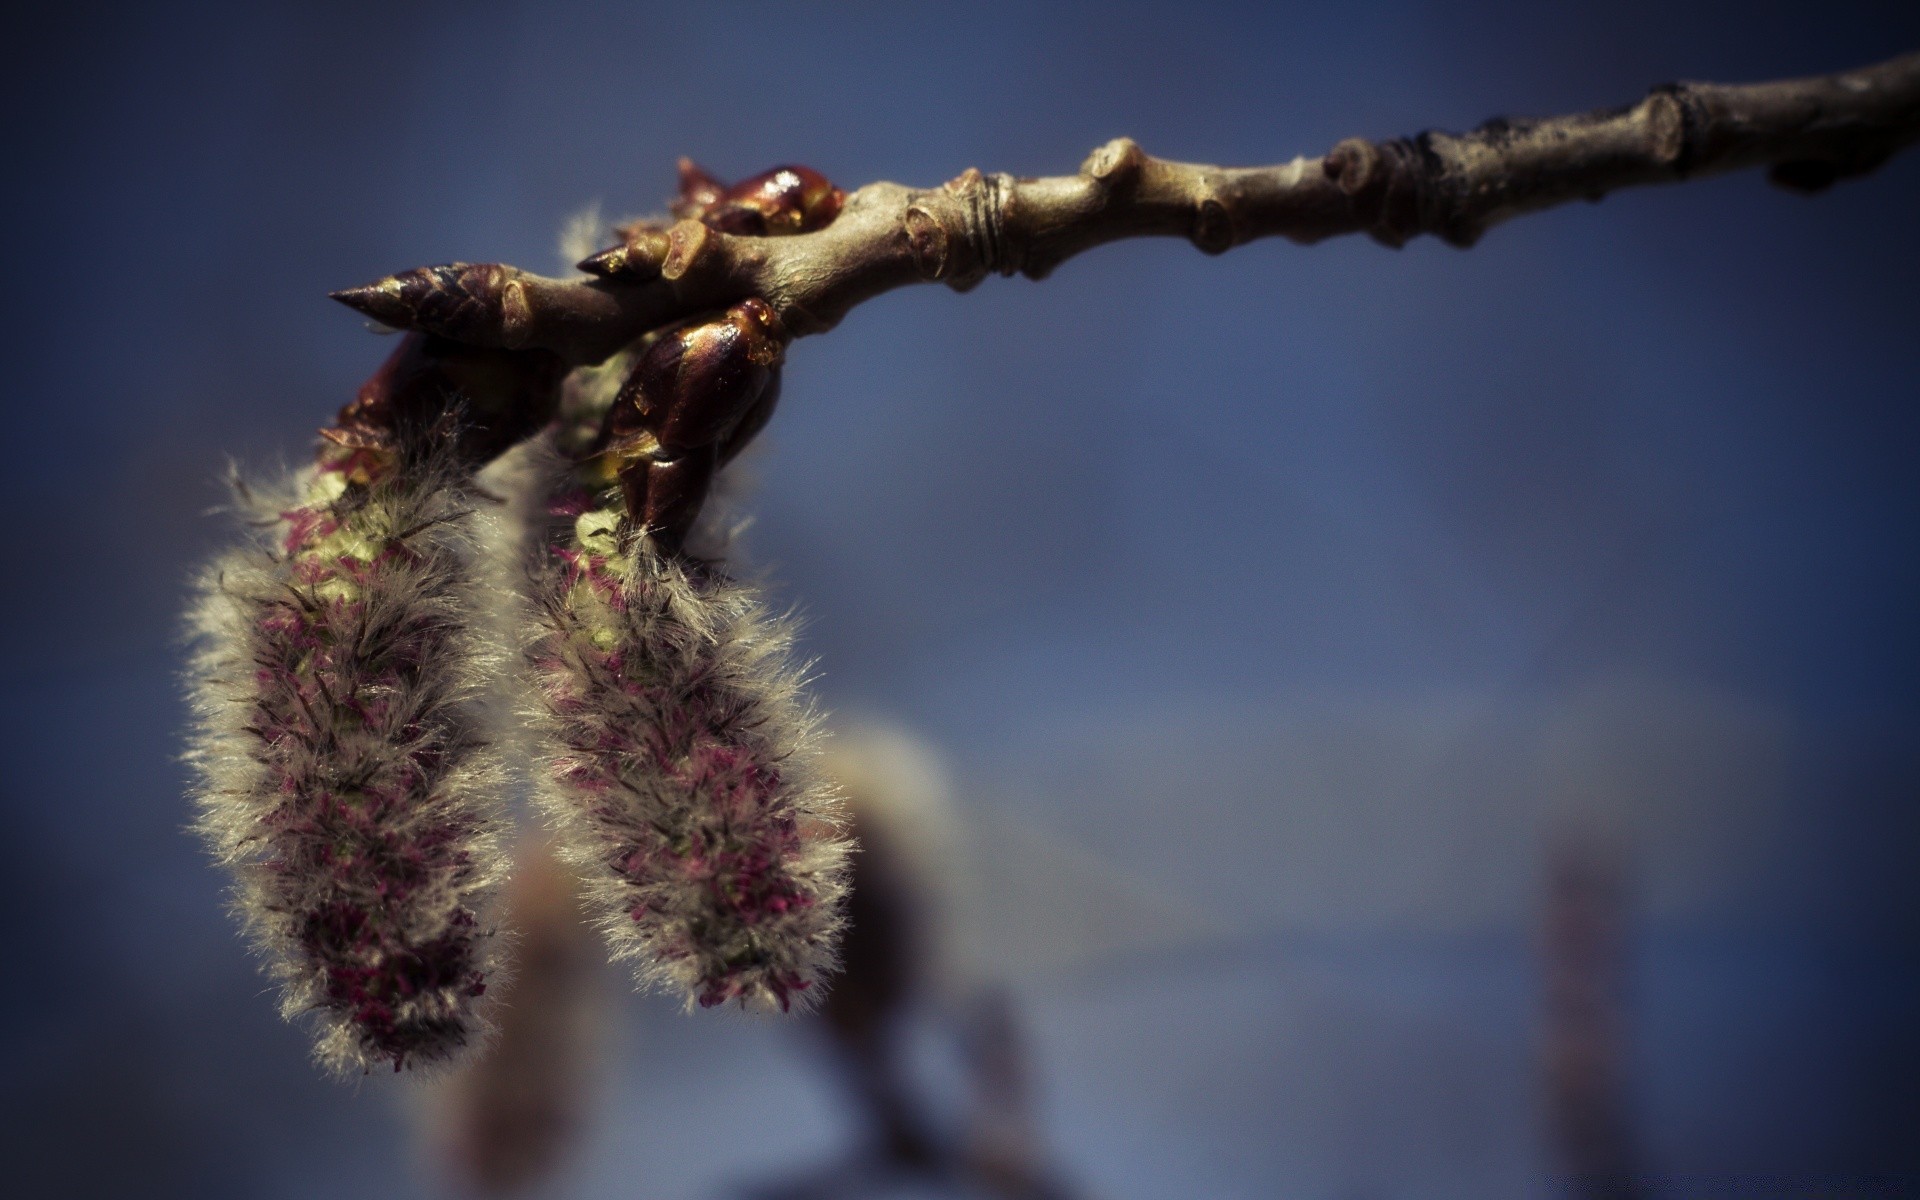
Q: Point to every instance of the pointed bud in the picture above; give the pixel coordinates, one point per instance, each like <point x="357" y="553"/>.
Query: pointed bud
<point x="606" y="263"/>
<point x="638" y="258"/>
<point x="384" y="300"/>
<point x="483" y="304"/>
<point x="699" y="190"/>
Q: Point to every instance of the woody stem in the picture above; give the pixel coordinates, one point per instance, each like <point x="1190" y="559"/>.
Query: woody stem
<point x="1810" y="132"/>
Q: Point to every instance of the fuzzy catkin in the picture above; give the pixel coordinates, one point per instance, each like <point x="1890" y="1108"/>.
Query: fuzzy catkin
<point x="344" y="770"/>
<point x="681" y="775"/>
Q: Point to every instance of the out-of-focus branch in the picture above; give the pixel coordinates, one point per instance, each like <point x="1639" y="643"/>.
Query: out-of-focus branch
<point x="1810" y="132"/>
<point x="1584" y="1051"/>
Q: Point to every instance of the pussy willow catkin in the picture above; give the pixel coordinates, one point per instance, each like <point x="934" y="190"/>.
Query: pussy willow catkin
<point x="342" y="742"/>
<point x="682" y="778"/>
<point x="344" y="771"/>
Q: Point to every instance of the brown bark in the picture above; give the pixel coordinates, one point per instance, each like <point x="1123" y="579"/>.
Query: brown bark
<point x="1810" y="132"/>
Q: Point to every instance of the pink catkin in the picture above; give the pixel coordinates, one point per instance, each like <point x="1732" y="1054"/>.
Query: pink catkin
<point x="681" y="767"/>
<point x="344" y="770"/>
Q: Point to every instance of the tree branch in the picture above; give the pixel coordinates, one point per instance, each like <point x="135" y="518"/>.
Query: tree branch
<point x="1811" y="132"/>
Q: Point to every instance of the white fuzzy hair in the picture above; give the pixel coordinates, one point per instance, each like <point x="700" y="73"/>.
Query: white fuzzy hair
<point x="683" y="783"/>
<point x="342" y="751"/>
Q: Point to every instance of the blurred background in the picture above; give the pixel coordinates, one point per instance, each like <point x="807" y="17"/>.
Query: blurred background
<point x="1413" y="719"/>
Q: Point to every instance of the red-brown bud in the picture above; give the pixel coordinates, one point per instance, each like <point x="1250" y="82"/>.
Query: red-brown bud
<point x="699" y="190"/>
<point x="481" y="304"/>
<point x="638" y="256"/>
<point x="693" y="385"/>
<point x="786" y="199"/>
<point x="484" y="400"/>
<point x="696" y="396"/>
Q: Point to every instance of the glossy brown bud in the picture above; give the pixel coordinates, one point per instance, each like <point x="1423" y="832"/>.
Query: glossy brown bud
<point x="699" y="190"/>
<point x="697" y="382"/>
<point x="430" y="389"/>
<point x="698" y="393"/>
<point x="664" y="498"/>
<point x="753" y="422"/>
<point x="482" y="304"/>
<point x="637" y="257"/>
<point x="784" y="200"/>
<point x="789" y="199"/>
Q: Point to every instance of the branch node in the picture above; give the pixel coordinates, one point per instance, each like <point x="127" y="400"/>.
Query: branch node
<point x="1212" y="231"/>
<point x="986" y="200"/>
<point x="516" y="316"/>
<point x="1382" y="184"/>
<point x="1116" y="164"/>
<point x="1670" y="123"/>
<point x="1413" y="168"/>
<point x="1353" y="164"/>
<point x="927" y="240"/>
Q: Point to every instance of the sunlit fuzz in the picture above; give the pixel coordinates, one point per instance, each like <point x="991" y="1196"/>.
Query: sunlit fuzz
<point x="344" y="774"/>
<point x="681" y="775"/>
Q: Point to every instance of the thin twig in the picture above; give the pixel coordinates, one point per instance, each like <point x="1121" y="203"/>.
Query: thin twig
<point x="1811" y="132"/>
